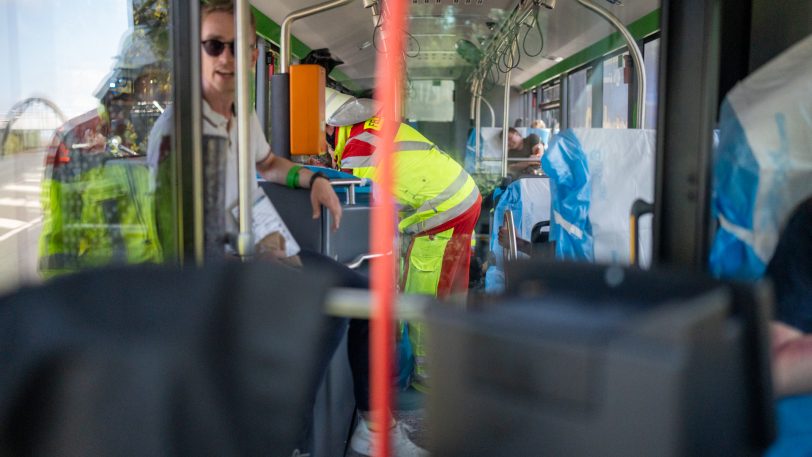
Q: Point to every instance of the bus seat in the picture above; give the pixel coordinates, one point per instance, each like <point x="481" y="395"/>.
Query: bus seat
<point x="489" y="159"/>
<point x="569" y="362"/>
<point x="543" y="134"/>
<point x="152" y="360"/>
<point x="595" y="176"/>
<point x="348" y="243"/>
<point x="528" y="198"/>
<point x="763" y="166"/>
<point x="335" y="402"/>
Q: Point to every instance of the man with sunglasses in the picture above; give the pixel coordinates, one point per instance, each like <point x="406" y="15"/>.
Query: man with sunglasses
<point x="219" y="88"/>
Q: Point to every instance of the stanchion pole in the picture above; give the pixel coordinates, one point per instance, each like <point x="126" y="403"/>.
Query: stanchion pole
<point x="388" y="84"/>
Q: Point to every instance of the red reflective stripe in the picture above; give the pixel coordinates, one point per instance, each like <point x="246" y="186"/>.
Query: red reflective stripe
<point x="357" y="149"/>
<point x="388" y="85"/>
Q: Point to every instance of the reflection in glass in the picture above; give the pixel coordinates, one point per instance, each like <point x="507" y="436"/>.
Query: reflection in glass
<point x="615" y="94"/>
<point x="651" y="58"/>
<point x="580" y="100"/>
<point x="78" y="149"/>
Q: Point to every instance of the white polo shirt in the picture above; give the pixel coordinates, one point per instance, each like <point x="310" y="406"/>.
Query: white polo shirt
<point x="217" y="125"/>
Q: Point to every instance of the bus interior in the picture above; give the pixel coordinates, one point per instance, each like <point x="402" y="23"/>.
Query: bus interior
<point x="535" y="227"/>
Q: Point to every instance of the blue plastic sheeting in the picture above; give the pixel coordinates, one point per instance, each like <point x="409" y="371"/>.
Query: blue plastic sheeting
<point x="763" y="166"/>
<point x="528" y="199"/>
<point x="543" y="134"/>
<point x="471" y="156"/>
<point x="488" y="160"/>
<point x="794" y="428"/>
<point x="570" y="228"/>
<point x="511" y="199"/>
<point x="331" y="173"/>
<point x="762" y="170"/>
<point x="363" y="193"/>
<point x="736" y="178"/>
<point x="595" y="176"/>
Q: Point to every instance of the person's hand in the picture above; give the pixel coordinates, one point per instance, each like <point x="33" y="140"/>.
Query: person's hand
<point x="503" y="241"/>
<point x="791" y="360"/>
<point x="322" y="193"/>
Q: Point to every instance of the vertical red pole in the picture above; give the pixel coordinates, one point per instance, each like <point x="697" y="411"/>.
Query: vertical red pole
<point x="388" y="84"/>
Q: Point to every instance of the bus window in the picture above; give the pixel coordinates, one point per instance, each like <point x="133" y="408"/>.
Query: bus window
<point x="651" y="56"/>
<point x="430" y="101"/>
<point x="79" y="94"/>
<point x="580" y="99"/>
<point x="615" y="94"/>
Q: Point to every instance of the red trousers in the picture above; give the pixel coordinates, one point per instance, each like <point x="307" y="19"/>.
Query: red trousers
<point x="457" y="253"/>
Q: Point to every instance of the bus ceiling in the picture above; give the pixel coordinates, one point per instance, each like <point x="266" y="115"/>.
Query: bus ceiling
<point x="437" y="27"/>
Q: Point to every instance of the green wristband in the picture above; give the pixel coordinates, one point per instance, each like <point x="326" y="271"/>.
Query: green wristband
<point x="292" y="179"/>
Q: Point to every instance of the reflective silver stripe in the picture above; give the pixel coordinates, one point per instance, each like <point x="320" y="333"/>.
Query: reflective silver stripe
<point x="443" y="196"/>
<point x="747" y="236"/>
<point x="413" y="146"/>
<point x="373" y="140"/>
<point x="371" y="160"/>
<point x="445" y="216"/>
<point x="359" y="162"/>
<point x="366" y="137"/>
<point x="570" y="228"/>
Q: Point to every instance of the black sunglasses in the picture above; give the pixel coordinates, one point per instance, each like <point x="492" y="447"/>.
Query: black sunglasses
<point x="216" y="47"/>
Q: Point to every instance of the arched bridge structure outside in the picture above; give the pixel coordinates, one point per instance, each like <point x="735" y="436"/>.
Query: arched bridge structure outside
<point x="18" y="110"/>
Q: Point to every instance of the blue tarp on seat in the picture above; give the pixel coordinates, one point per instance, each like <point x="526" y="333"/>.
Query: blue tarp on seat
<point x="762" y="170"/>
<point x="528" y="199"/>
<point x="595" y="177"/>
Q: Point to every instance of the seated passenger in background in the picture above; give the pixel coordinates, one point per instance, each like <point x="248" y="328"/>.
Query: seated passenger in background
<point x="518" y="147"/>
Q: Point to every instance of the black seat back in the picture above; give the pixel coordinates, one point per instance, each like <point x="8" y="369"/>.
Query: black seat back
<point x="157" y="361"/>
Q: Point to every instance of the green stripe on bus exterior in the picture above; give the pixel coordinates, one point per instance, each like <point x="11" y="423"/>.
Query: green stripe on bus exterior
<point x="639" y="29"/>
<point x="270" y="30"/>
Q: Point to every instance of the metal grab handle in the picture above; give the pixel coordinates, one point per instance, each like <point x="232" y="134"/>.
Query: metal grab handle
<point x="287" y="24"/>
<point x="640" y="207"/>
<point x="490" y="107"/>
<point x="358" y="261"/>
<point x="505" y="115"/>
<point x="350" y="183"/>
<point x="512" y="252"/>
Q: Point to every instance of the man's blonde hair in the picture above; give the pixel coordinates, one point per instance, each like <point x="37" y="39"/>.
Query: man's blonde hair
<point x="222" y="6"/>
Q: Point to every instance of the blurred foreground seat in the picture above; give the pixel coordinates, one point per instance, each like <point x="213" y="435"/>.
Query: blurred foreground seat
<point x="150" y="360"/>
<point x="588" y="360"/>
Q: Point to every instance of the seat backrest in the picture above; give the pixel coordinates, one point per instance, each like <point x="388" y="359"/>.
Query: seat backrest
<point x="543" y="134"/>
<point x="151" y="360"/>
<point x="763" y="165"/>
<point x="528" y="198"/>
<point x="595" y="177"/>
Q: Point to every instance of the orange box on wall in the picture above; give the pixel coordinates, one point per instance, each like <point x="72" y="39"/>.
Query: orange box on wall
<point x="307" y="110"/>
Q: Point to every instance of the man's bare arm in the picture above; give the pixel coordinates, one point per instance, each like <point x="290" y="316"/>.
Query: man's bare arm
<point x="275" y="169"/>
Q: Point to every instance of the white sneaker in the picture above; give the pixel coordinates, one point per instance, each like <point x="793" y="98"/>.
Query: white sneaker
<point x="402" y="446"/>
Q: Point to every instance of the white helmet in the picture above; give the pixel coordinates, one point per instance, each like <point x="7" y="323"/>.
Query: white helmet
<point x="342" y="109"/>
